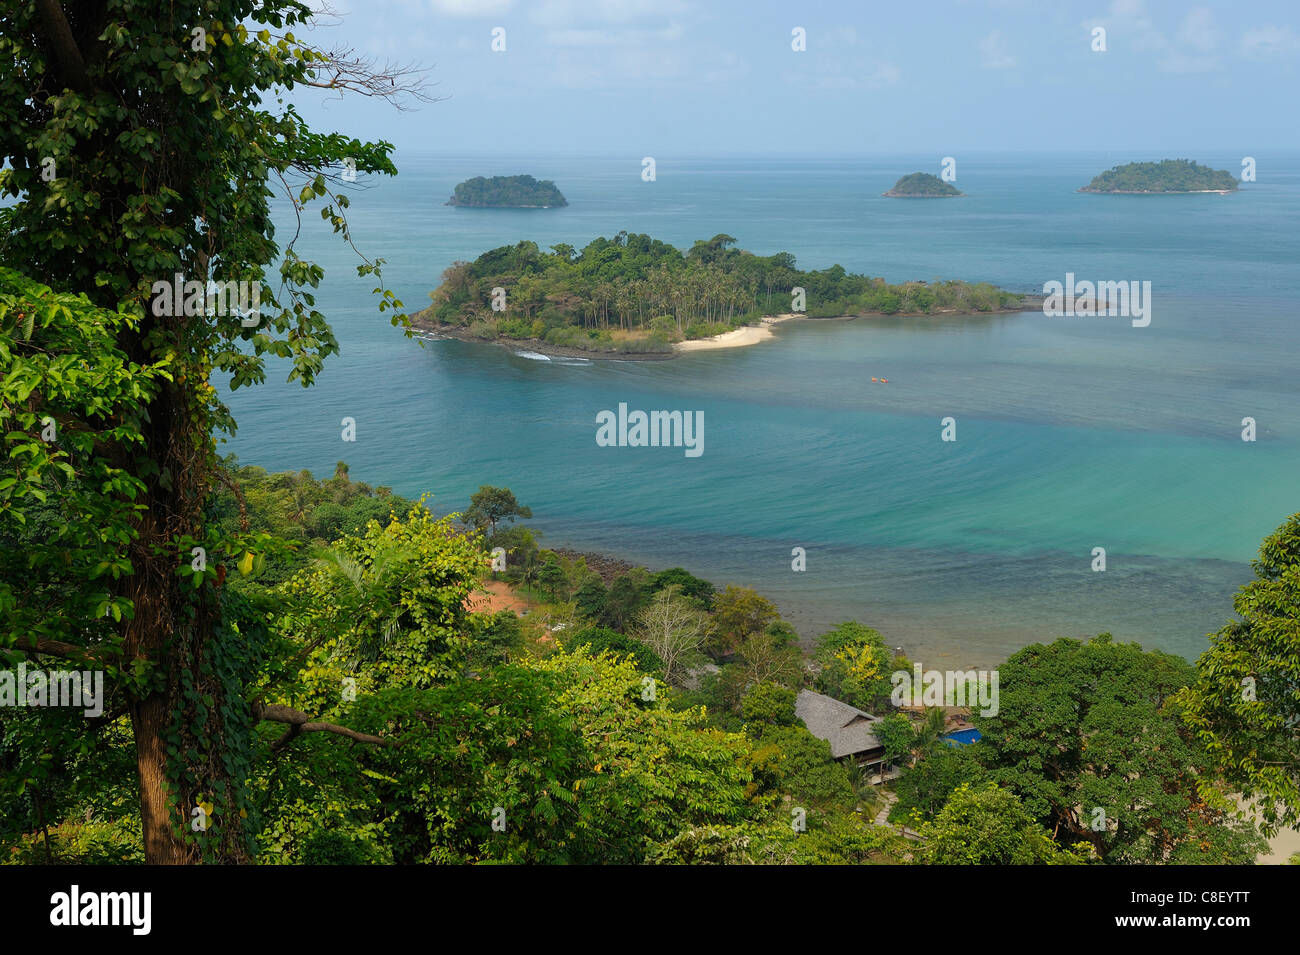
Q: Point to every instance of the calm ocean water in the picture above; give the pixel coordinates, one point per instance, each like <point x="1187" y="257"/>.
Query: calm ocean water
<point x="1071" y="433"/>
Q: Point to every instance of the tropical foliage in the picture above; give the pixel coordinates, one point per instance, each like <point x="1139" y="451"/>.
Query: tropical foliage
<point x="1244" y="705"/>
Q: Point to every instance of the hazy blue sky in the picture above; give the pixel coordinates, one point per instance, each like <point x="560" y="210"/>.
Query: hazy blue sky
<point x="652" y="77"/>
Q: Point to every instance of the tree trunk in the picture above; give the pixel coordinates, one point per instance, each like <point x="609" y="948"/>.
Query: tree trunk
<point x="173" y="626"/>
<point x="176" y="629"/>
<point x="154" y="594"/>
<point x="149" y="721"/>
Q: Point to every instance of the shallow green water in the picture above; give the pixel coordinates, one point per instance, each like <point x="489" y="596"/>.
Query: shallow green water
<point x="1071" y="433"/>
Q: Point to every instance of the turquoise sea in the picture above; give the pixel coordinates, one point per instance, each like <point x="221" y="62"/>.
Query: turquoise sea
<point x="1072" y="433"/>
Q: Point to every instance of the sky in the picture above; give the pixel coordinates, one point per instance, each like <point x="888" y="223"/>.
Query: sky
<point x="721" y="77"/>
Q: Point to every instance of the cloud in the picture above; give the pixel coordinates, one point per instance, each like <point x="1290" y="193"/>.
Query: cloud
<point x="596" y="44"/>
<point x="601" y="57"/>
<point x="606" y="37"/>
<point x="726" y="67"/>
<point x="834" y="38"/>
<point x="471" y="8"/>
<point x="1269" y="42"/>
<point x="885" y="74"/>
<point x="993" y="53"/>
<point x="1129" y="27"/>
<point x="1199" y="31"/>
<point x="562" y="13"/>
<point x="1176" y="62"/>
<point x="1191" y="50"/>
<point x="1128" y="19"/>
<point x="839" y="59"/>
<point x="632" y="67"/>
<point x="830" y="75"/>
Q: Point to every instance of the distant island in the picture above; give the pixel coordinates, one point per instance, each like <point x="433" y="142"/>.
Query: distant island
<point x="922" y="185"/>
<point x="635" y="296"/>
<point x="508" y="192"/>
<point x="1166" y="176"/>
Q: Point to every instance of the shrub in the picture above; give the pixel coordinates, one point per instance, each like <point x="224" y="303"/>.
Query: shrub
<point x="706" y="329"/>
<point x="77" y="842"/>
<point x="331" y="847"/>
<point x="514" y="328"/>
<point x="603" y="638"/>
<point x="769" y="703"/>
<point x="666" y="326"/>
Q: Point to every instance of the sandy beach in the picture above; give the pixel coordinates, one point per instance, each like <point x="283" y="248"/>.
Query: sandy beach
<point x="736" y="338"/>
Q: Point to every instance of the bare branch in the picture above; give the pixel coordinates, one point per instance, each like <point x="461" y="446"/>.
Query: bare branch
<point x="58" y="648"/>
<point x="673" y="629"/>
<point x="300" y="722"/>
<point x="344" y="71"/>
<point x="322" y="11"/>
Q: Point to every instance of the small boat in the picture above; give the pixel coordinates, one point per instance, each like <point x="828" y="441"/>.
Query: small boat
<point x="884" y="381"/>
<point x="875" y="379"/>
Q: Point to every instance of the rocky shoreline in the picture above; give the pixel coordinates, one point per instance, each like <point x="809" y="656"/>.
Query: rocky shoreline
<point x="544" y="348"/>
<point x="607" y="568"/>
<point x="461" y="334"/>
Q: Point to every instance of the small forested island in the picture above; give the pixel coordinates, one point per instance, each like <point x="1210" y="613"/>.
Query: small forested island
<point x="634" y="295"/>
<point x="508" y="192"/>
<point x="922" y="185"/>
<point x="1168" y="175"/>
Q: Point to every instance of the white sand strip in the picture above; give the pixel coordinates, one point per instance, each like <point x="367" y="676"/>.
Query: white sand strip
<point x="736" y="338"/>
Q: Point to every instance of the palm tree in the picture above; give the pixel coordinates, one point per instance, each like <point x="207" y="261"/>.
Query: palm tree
<point x="622" y="301"/>
<point x="676" y="292"/>
<point x="528" y="567"/>
<point x="300" y="498"/>
<point x="936" y="722"/>
<point x="604" y="291"/>
<point x="637" y="290"/>
<point x="871" y="798"/>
